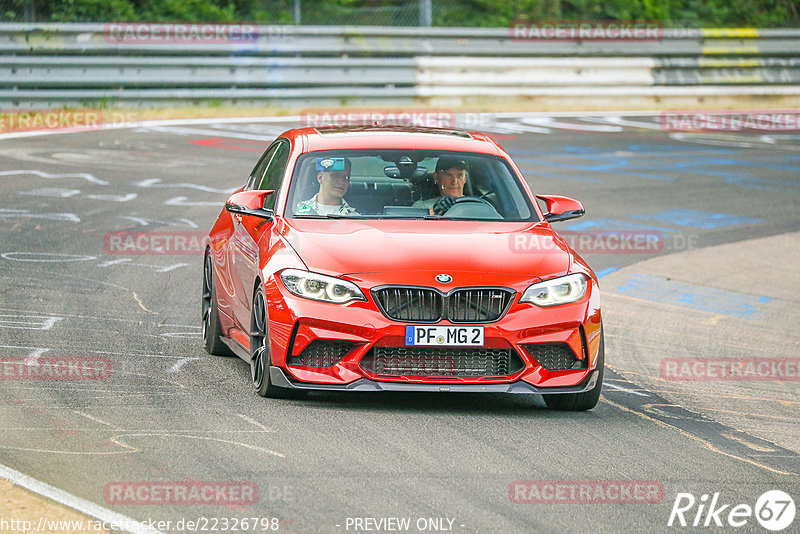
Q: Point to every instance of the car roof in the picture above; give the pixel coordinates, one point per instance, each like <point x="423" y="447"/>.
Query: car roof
<point x="392" y="137"/>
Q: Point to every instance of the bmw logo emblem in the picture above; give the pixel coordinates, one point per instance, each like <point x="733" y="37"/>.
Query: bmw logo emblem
<point x="444" y="278"/>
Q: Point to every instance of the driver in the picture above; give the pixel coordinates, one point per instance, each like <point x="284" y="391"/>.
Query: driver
<point x="334" y="179"/>
<point x="450" y="177"/>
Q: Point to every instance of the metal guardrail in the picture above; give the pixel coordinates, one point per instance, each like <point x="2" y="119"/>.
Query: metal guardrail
<point x="54" y="64"/>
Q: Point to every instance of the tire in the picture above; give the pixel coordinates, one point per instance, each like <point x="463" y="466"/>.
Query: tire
<point x="212" y="330"/>
<point x="259" y="353"/>
<point x="580" y="402"/>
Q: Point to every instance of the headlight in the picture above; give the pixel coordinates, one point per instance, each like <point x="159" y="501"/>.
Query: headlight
<point x="320" y="287"/>
<point x="562" y="290"/>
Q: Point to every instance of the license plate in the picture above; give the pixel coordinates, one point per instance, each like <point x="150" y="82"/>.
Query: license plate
<point x="457" y="336"/>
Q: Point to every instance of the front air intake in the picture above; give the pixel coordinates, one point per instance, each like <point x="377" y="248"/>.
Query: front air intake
<point x="322" y="353"/>
<point x="554" y="356"/>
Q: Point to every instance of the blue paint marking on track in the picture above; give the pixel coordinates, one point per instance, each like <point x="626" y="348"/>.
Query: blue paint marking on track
<point x="647" y="149"/>
<point x="651" y="162"/>
<point x="528" y="172"/>
<point x="718" y="162"/>
<point x="719" y="301"/>
<point x="615" y="224"/>
<point x="614" y="167"/>
<point x="671" y="149"/>
<point x="698" y="219"/>
<point x="599" y="167"/>
<point x="606" y="271"/>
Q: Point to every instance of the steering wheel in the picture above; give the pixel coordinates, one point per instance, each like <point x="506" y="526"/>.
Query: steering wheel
<point x="472" y="207"/>
<point x="471" y="200"/>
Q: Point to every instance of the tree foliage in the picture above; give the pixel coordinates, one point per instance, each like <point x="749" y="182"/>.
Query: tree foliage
<point x="468" y="13"/>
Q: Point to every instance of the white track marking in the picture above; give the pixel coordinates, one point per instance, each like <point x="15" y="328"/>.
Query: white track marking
<point x="229" y="134"/>
<point x="181" y="335"/>
<point x="156" y="182"/>
<point x="76" y="503"/>
<point x="118" y="441"/>
<point x="727" y="142"/>
<point x="150" y="124"/>
<point x="52" y="192"/>
<point x="170" y="267"/>
<point x="142" y="222"/>
<point x="619" y="388"/>
<point x="576" y="127"/>
<point x="189" y="223"/>
<point x="40" y="257"/>
<point x="184" y="201"/>
<point x="515" y="127"/>
<point x="619" y="121"/>
<point x="254" y="422"/>
<point x="109" y="263"/>
<point x="177" y="366"/>
<point x="145" y="221"/>
<point x="41" y="174"/>
<point x="138" y="355"/>
<point x="114" y="198"/>
<point x="28" y="322"/>
<point x="26" y="214"/>
<point x="128" y="261"/>
<point x="35" y="352"/>
<point x="96" y="420"/>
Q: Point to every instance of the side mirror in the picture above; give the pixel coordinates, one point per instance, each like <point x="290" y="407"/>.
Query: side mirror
<point x="561" y="208"/>
<point x="250" y="203"/>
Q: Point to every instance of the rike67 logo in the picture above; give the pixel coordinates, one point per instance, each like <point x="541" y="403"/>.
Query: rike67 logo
<point x="774" y="510"/>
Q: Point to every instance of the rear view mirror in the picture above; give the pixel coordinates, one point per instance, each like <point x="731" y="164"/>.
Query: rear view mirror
<point x="561" y="208"/>
<point x="250" y="203"/>
<point x="406" y="172"/>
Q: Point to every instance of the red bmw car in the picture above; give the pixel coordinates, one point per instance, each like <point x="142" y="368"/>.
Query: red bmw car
<point x="401" y="259"/>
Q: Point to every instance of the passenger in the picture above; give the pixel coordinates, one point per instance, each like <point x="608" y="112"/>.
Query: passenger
<point x="334" y="179"/>
<point x="450" y="177"/>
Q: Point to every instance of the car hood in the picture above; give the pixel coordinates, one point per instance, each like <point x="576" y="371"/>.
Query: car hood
<point x="341" y="247"/>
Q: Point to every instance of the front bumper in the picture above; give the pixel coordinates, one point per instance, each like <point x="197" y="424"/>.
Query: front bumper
<point x="279" y="378"/>
<point x="295" y="323"/>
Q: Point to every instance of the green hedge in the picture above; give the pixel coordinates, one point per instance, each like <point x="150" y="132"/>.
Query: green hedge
<point x="488" y="13"/>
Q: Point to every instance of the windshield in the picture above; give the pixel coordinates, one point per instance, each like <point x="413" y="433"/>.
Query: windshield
<point x="406" y="184"/>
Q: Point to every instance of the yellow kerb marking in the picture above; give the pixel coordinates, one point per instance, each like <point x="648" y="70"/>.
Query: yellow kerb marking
<point x="730" y="32"/>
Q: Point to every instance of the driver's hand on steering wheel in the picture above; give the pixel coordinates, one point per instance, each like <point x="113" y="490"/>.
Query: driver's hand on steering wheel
<point x="443" y="204"/>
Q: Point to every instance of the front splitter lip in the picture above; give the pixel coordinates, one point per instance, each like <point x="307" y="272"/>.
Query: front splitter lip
<point x="279" y="379"/>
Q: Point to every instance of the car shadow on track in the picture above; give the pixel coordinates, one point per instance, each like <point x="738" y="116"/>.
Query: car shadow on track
<point x="452" y="403"/>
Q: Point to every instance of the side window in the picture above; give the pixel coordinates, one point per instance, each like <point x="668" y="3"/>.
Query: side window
<point x="258" y="170"/>
<point x="273" y="176"/>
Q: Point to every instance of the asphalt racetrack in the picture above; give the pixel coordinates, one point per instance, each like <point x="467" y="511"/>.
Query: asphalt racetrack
<point x="345" y="462"/>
